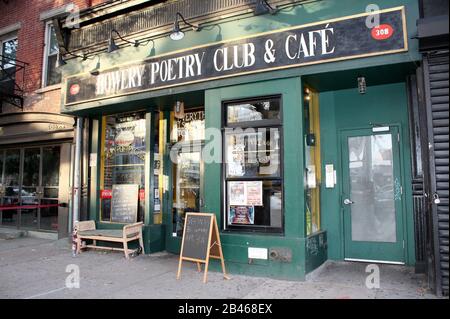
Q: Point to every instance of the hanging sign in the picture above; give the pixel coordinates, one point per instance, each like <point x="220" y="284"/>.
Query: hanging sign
<point x="339" y="39"/>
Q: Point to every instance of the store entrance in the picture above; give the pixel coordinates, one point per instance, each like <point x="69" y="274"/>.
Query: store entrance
<point x="187" y="133"/>
<point x="372" y="194"/>
<point x="29" y="187"/>
<point x="187" y="186"/>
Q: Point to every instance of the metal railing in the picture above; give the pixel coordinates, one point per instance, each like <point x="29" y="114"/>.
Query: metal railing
<point x="12" y="81"/>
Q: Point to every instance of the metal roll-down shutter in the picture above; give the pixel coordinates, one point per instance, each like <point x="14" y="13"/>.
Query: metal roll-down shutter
<point x="436" y="70"/>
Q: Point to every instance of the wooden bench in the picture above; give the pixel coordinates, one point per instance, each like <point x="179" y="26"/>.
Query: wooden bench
<point x="86" y="230"/>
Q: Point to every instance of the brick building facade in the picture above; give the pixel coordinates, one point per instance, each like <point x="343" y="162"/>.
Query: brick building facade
<point x="28" y="23"/>
<point x="36" y="141"/>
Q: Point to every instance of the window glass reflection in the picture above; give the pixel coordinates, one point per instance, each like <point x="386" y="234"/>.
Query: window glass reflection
<point x="253" y="111"/>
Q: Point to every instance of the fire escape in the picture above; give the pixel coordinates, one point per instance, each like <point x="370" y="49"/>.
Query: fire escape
<point x="12" y="76"/>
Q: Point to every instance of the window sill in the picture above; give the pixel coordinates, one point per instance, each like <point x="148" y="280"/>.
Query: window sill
<point x="48" y="88"/>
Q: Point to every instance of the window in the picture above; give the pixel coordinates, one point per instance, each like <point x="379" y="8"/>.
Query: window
<point x="253" y="165"/>
<point x="123" y="162"/>
<point x="312" y="161"/>
<point x="30" y="178"/>
<point x="51" y="74"/>
<point x="9" y="52"/>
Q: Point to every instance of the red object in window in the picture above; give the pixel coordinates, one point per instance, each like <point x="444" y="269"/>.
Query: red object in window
<point x="142" y="194"/>
<point x="106" y="194"/>
<point x="74" y="89"/>
<point x="382" y="32"/>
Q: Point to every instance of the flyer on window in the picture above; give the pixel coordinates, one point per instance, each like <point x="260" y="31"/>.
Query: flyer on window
<point x="236" y="193"/>
<point x="244" y="215"/>
<point x="254" y="193"/>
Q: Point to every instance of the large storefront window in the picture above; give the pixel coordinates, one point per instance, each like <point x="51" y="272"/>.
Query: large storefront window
<point x="123" y="168"/>
<point x="253" y="165"/>
<point x="29" y="187"/>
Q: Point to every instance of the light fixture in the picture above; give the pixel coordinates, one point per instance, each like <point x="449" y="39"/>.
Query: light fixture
<point x="307" y="94"/>
<point x="263" y="7"/>
<point x="362" y="86"/>
<point x="112" y="46"/>
<point x="177" y="34"/>
<point x="153" y="50"/>
<point x="178" y="109"/>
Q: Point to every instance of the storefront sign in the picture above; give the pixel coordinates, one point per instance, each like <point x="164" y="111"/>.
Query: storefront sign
<point x="333" y="40"/>
<point x="191" y="127"/>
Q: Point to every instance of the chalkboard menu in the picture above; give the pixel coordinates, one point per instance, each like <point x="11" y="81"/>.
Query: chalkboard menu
<point x="124" y="204"/>
<point x="201" y="241"/>
<point x="196" y="236"/>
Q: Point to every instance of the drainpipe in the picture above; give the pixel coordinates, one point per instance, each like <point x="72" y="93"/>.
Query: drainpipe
<point x="77" y="181"/>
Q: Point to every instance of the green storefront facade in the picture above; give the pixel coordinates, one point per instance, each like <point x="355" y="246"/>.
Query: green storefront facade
<point x="344" y="145"/>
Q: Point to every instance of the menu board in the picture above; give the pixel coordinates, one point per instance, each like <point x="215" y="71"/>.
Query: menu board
<point x="124" y="206"/>
<point x="196" y="236"/>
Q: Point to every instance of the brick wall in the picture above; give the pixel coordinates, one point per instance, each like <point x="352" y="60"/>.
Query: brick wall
<point x="31" y="47"/>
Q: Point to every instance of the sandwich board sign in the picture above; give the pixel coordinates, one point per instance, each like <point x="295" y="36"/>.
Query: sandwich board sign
<point x="201" y="241"/>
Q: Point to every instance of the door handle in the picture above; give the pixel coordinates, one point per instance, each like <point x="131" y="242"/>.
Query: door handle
<point x="348" y="201"/>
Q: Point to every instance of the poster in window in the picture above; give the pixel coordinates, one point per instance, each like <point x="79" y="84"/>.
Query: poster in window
<point x="236" y="193"/>
<point x="254" y="192"/>
<point x="236" y="160"/>
<point x="244" y="215"/>
<point x="156" y="164"/>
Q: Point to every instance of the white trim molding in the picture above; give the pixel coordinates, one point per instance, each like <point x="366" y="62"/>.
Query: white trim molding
<point x="11" y="28"/>
<point x="56" y="12"/>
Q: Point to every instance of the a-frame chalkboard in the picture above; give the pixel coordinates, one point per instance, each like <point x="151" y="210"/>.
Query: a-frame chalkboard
<point x="201" y="241"/>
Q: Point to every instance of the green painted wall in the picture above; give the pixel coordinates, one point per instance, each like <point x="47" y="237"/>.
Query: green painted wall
<point x="236" y="244"/>
<point x="389" y="101"/>
<point x="386" y="104"/>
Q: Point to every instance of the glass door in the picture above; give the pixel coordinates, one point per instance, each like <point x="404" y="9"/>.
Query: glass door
<point x="29" y="187"/>
<point x="49" y="189"/>
<point x="10" y="187"/>
<point x="372" y="195"/>
<point x="187" y="187"/>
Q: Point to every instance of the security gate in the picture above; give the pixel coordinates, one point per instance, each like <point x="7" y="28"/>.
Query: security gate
<point x="436" y="88"/>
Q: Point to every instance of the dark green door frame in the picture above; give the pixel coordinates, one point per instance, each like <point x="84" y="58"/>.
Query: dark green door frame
<point x="364" y="248"/>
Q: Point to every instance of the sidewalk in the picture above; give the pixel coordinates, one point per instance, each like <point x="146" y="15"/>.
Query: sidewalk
<point x="36" y="268"/>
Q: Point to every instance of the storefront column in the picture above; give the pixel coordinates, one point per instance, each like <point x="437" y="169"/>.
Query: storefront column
<point x="77" y="171"/>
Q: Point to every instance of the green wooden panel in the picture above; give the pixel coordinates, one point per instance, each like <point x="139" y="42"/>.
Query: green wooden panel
<point x="384" y="104"/>
<point x="235" y="243"/>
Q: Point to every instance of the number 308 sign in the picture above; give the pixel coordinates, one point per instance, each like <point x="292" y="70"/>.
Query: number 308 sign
<point x="382" y="32"/>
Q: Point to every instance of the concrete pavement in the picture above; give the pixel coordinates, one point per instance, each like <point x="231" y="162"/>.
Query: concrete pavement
<point x="36" y="268"/>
